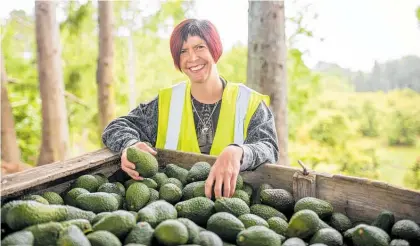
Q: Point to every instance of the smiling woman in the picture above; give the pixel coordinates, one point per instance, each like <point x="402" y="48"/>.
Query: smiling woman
<point x="205" y="114"/>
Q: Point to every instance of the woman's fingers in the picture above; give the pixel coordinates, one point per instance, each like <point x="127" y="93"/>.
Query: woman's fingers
<point x="125" y="162"/>
<point x="129" y="167"/>
<point x="151" y="150"/>
<point x="218" y="186"/>
<point x="227" y="185"/>
<point x="209" y="185"/>
<point x="146" y="148"/>
<point x="132" y="173"/>
<point x="233" y="184"/>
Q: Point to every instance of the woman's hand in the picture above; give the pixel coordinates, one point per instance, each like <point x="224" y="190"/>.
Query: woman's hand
<point x="128" y="166"/>
<point x="224" y="172"/>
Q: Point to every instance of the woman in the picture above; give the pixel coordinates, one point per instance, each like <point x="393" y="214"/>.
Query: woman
<point x="205" y="115"/>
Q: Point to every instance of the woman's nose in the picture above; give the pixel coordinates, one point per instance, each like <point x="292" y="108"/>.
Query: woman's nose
<point x="192" y="56"/>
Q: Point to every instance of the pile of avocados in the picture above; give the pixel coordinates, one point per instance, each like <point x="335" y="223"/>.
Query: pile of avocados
<point x="168" y="207"/>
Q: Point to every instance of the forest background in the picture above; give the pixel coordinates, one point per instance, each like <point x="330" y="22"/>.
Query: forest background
<point x="360" y="123"/>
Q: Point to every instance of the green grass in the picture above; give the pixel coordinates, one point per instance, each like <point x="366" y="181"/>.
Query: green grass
<point x="394" y="161"/>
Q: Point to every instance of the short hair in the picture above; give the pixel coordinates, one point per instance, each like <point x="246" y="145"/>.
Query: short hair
<point x="193" y="27"/>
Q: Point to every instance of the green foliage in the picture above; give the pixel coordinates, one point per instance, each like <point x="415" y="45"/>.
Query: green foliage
<point x="327" y="139"/>
<point x="412" y="176"/>
<point x="18" y="47"/>
<point x="366" y="116"/>
<point x="232" y="64"/>
<point x="369" y="121"/>
<point x="358" y="162"/>
<point x="77" y="17"/>
<point x="402" y="121"/>
<point x="402" y="131"/>
<point x="332" y="128"/>
<point x="418" y="13"/>
<point x="303" y="89"/>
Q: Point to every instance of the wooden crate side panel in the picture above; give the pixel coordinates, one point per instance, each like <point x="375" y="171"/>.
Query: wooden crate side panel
<point x="275" y="175"/>
<point x="63" y="185"/>
<point x="57" y="174"/>
<point x="363" y="199"/>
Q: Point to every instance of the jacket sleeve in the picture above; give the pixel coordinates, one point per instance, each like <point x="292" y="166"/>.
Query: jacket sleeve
<point x="139" y="125"/>
<point x="261" y="144"/>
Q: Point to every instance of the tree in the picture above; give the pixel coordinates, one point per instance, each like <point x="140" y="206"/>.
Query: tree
<point x="412" y="176"/>
<point x="10" y="151"/>
<point x="104" y="75"/>
<point x="266" y="71"/>
<point x="55" y="133"/>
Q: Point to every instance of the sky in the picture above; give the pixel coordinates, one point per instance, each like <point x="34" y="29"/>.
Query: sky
<point x="355" y="33"/>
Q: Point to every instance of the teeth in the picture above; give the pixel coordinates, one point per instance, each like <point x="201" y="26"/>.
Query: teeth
<point x="197" y="67"/>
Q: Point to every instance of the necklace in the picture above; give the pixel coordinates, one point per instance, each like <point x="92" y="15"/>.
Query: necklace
<point x="205" y="125"/>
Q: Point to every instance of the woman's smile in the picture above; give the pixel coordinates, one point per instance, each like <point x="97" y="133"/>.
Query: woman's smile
<point x="197" y="68"/>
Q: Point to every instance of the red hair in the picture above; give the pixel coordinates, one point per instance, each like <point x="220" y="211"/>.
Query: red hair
<point x="193" y="27"/>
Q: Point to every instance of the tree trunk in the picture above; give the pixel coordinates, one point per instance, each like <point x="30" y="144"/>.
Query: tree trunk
<point x="55" y="130"/>
<point x="266" y="70"/>
<point x="104" y="74"/>
<point x="9" y="147"/>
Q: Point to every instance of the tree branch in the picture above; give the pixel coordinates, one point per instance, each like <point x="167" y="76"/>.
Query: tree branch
<point x="12" y="80"/>
<point x="67" y="94"/>
<point x="75" y="99"/>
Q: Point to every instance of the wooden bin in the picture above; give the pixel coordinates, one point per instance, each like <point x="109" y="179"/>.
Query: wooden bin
<point x="359" y="198"/>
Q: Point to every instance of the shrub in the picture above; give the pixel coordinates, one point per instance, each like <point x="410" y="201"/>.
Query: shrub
<point x="332" y="128"/>
<point x="412" y="176"/>
<point x="401" y="127"/>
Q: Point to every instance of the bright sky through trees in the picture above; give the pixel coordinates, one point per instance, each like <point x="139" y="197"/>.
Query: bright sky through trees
<point x="355" y="32"/>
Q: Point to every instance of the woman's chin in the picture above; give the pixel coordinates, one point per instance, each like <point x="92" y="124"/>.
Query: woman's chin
<point x="197" y="79"/>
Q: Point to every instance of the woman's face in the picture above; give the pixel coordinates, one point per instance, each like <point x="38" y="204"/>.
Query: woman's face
<point x="196" y="60"/>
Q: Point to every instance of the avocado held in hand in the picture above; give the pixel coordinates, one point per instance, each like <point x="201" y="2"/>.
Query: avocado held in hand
<point x="146" y="164"/>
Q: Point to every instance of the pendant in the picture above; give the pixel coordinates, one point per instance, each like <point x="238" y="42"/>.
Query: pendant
<point x="204" y="130"/>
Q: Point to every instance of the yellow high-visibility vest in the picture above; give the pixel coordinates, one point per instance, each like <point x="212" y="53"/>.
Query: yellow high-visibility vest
<point x="176" y="127"/>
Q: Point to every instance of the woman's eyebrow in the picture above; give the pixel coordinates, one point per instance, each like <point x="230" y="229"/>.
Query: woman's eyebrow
<point x="193" y="46"/>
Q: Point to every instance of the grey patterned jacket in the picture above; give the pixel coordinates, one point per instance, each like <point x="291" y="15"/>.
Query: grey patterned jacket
<point x="260" y="145"/>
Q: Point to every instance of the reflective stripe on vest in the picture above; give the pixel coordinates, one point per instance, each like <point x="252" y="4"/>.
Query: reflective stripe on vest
<point x="241" y="108"/>
<point x="175" y="116"/>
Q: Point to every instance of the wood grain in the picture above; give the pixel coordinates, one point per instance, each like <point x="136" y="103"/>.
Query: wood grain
<point x="363" y="199"/>
<point x="303" y="185"/>
<point x="53" y="174"/>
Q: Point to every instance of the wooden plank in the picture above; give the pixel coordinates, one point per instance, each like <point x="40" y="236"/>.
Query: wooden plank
<point x="363" y="199"/>
<point x="62" y="186"/>
<point x="56" y="173"/>
<point x="304" y="185"/>
<point x="275" y="175"/>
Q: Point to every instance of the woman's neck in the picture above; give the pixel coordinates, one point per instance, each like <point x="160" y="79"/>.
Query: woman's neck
<point x="208" y="92"/>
